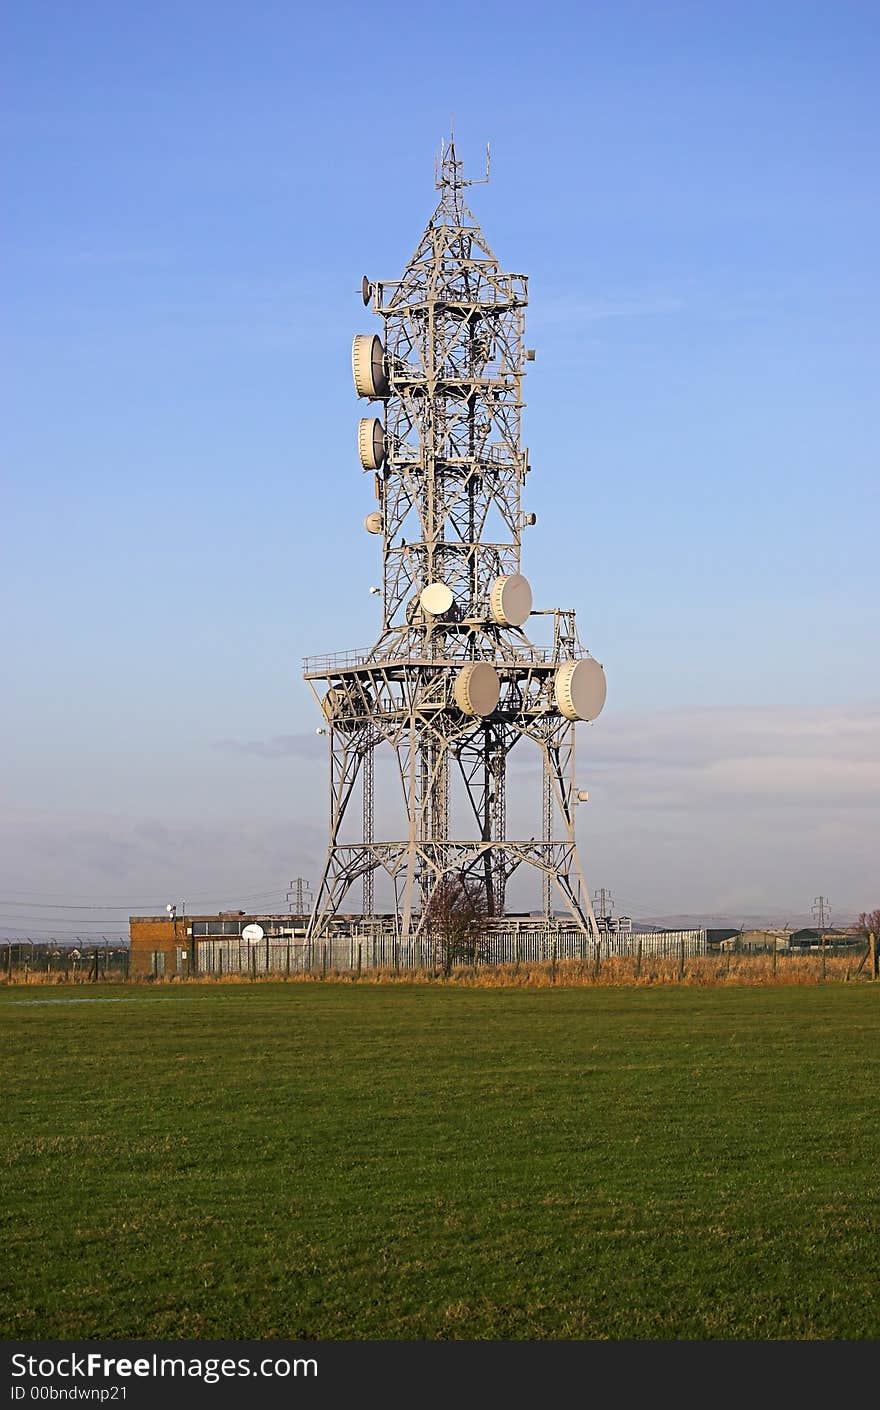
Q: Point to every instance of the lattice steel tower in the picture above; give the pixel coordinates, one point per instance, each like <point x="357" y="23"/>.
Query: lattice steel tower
<point x="453" y="683"/>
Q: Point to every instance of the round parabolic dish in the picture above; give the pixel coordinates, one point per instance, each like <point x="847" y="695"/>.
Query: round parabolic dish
<point x="436" y="599"/>
<point x="253" y="934"/>
<point x="374" y="523"/>
<point x="368" y="365"/>
<point x="580" y="689"/>
<point x="510" y="600"/>
<point x="371" y="442"/>
<point x="477" y="688"/>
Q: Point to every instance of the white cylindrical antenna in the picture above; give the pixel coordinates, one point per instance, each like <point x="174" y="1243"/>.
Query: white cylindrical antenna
<point x="579" y="689"/>
<point x="510" y="600"/>
<point x="368" y="366"/>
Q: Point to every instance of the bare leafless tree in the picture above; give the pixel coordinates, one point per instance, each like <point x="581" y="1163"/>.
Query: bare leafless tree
<point x="456" y="922"/>
<point x="868" y="924"/>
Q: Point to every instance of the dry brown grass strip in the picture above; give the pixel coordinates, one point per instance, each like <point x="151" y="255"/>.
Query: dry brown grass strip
<point x="617" y="971"/>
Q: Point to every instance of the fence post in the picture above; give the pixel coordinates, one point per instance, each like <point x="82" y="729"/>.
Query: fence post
<point x="287" y="962"/>
<point x="875" y="957"/>
<point x="553" y="961"/>
<point x="823" y="959"/>
<point x="681" y="960"/>
<point x="639" y="958"/>
<point x="360" y="957"/>
<point x="774" y="959"/>
<point x="324" y="960"/>
<point x="597" y="960"/>
<point x="253" y="949"/>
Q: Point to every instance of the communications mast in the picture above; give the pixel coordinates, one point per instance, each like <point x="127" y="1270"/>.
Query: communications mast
<point x="454" y="682"/>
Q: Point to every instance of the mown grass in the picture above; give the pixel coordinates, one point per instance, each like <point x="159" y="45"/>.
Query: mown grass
<point x="334" y="1161"/>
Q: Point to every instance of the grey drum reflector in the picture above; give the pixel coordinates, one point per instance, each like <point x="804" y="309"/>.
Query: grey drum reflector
<point x="368" y="365"/>
<point x="477" y="688"/>
<point x="332" y="703"/>
<point x="580" y="688"/>
<point x="371" y="442"/>
<point x="510" y="600"/>
<point x="342" y="706"/>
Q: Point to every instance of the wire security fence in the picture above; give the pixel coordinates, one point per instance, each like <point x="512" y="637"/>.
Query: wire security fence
<point x="358" y="952"/>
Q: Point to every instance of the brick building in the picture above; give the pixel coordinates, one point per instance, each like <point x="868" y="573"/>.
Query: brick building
<point x="172" y="944"/>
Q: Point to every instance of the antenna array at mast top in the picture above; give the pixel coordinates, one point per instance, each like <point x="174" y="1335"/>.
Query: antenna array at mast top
<point x="448" y="168"/>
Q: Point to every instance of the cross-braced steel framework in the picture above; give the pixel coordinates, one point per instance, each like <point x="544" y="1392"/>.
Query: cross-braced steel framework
<point x="453" y="683"/>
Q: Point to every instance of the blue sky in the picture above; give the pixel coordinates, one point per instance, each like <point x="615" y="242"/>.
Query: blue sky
<point x="193" y="192"/>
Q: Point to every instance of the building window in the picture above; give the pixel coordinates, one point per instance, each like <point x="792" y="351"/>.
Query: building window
<point x="157" y="962"/>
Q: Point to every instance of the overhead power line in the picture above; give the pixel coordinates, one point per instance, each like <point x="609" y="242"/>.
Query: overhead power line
<point x="18" y="936"/>
<point x="262" y="896"/>
<point x="68" y="906"/>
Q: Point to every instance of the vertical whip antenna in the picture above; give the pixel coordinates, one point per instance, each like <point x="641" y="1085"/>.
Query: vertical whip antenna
<point x="449" y="168"/>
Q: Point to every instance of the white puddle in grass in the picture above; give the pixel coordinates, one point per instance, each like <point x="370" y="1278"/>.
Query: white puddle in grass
<point x="113" y="999"/>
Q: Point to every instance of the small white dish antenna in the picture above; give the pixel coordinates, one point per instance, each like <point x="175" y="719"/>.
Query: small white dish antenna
<point x="436" y="598"/>
<point x="253" y="934"/>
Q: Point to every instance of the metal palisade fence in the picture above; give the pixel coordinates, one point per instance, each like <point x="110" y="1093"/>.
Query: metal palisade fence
<point x="354" y="952"/>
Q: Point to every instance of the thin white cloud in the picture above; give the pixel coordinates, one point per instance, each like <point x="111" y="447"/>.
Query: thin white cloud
<point x="95" y="855"/>
<point x="775" y="756"/>
<point x="714" y="810"/>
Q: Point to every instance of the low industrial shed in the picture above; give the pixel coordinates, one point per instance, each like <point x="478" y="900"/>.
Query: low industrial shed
<point x="163" y="946"/>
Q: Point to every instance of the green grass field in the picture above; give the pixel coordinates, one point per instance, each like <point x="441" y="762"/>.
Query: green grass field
<point x="426" y="1162"/>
